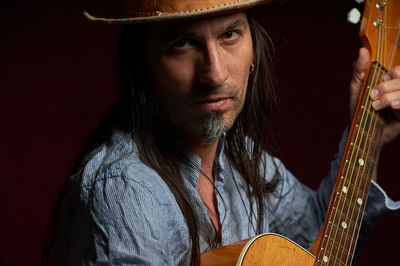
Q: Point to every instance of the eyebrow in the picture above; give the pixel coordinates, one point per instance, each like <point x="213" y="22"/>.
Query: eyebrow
<point x="171" y="34"/>
<point x="240" y="23"/>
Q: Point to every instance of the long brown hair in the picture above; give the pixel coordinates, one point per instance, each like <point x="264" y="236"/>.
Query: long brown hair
<point x="135" y="113"/>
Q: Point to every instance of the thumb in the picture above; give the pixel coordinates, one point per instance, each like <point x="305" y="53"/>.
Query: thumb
<point x="360" y="66"/>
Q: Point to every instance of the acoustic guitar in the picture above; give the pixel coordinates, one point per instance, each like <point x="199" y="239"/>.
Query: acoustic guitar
<point x="336" y="243"/>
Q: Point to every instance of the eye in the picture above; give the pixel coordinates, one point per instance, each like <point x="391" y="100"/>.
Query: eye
<point x="230" y="34"/>
<point x="180" y="43"/>
<point x="231" y="37"/>
<point x="181" y="46"/>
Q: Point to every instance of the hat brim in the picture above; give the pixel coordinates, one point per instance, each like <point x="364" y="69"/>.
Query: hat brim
<point x="169" y="16"/>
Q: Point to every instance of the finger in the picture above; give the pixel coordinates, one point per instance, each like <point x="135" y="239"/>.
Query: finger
<point x="385" y="88"/>
<point x="362" y="62"/>
<point x="389" y="99"/>
<point x="394" y="73"/>
<point x="359" y="68"/>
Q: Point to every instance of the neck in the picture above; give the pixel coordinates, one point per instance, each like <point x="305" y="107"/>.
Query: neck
<point x="337" y="241"/>
<point x="205" y="151"/>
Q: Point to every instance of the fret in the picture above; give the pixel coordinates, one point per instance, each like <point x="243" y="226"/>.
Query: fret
<point x="367" y="109"/>
<point x="350" y="197"/>
<point x="364" y="144"/>
<point x="344" y="224"/>
<point x="362" y="139"/>
<point x="370" y="133"/>
<point x="352" y="204"/>
<point x="352" y="193"/>
<point x="367" y="153"/>
<point x="369" y="126"/>
<point x="341" y="238"/>
<point x="340" y="227"/>
<point x="326" y="259"/>
<point x="349" y="191"/>
<point x="355" y="172"/>
<point x="366" y="156"/>
<point x="368" y="119"/>
<point x="336" y="248"/>
<point x="341" y="249"/>
<point x="357" y="177"/>
<point x="378" y="74"/>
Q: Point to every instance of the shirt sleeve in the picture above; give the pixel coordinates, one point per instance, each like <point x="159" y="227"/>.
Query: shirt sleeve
<point x="299" y="212"/>
<point x="124" y="225"/>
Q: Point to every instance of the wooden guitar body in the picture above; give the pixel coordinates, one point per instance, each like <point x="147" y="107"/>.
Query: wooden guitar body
<point x="264" y="249"/>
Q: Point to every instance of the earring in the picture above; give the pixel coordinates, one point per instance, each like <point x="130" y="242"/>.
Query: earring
<point x="251" y="68"/>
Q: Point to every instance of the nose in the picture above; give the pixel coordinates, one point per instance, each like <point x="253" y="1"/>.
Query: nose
<point x="212" y="69"/>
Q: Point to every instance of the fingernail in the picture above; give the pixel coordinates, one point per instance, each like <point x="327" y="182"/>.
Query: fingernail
<point x="374" y="93"/>
<point x="396" y="104"/>
<point x="376" y="104"/>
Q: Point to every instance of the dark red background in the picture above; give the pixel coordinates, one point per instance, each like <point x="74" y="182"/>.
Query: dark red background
<point x="58" y="77"/>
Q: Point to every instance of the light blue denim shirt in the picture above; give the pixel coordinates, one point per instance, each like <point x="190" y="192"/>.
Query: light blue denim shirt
<point x="129" y="216"/>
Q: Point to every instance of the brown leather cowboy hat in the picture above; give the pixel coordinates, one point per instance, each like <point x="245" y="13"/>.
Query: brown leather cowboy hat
<point x="148" y="11"/>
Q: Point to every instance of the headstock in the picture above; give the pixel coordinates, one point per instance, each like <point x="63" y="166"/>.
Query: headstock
<point x="380" y="31"/>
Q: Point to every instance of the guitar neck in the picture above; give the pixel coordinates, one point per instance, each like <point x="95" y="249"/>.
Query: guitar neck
<point x="345" y="212"/>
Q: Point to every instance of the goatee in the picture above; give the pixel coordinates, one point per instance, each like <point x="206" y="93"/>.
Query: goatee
<point x="212" y="126"/>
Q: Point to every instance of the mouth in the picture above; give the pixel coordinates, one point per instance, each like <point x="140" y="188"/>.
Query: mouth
<point x="214" y="104"/>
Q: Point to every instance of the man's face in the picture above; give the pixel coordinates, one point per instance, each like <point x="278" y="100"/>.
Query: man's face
<point x="198" y="71"/>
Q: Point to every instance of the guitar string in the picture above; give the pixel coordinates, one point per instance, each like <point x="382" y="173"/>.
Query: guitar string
<point x="382" y="72"/>
<point x="332" y="221"/>
<point x="363" y="170"/>
<point x="326" y="252"/>
<point x="372" y="149"/>
<point x="362" y="177"/>
<point x="363" y="149"/>
<point x="384" y="35"/>
<point x="349" y="187"/>
<point x="375" y="116"/>
<point x="352" y="180"/>
<point x="373" y="120"/>
<point x="343" y="195"/>
<point x="372" y="146"/>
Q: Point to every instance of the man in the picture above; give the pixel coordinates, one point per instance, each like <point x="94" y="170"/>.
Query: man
<point x="178" y="167"/>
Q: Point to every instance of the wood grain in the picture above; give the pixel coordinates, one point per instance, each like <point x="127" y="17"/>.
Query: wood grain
<point x="265" y="249"/>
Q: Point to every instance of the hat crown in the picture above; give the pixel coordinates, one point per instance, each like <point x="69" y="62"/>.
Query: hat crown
<point x="158" y="7"/>
<point x="149" y="11"/>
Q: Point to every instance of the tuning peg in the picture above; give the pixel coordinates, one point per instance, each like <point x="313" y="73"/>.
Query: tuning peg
<point x="354" y="16"/>
<point x="359" y="1"/>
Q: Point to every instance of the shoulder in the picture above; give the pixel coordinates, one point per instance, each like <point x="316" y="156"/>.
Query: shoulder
<point x="124" y="205"/>
<point x="117" y="158"/>
<point x="115" y="169"/>
<point x="117" y="186"/>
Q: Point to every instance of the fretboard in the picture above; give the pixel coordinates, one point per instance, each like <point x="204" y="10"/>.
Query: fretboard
<point x="354" y="178"/>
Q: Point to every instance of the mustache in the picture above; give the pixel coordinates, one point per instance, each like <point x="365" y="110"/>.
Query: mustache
<point x="201" y="92"/>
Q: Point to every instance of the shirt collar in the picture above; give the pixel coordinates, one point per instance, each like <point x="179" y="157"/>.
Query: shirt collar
<point x="192" y="171"/>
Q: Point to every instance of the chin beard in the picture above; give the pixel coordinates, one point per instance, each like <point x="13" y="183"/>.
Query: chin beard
<point x="212" y="127"/>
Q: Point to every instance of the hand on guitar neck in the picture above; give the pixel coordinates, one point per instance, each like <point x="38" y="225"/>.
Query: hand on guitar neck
<point x="385" y="95"/>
